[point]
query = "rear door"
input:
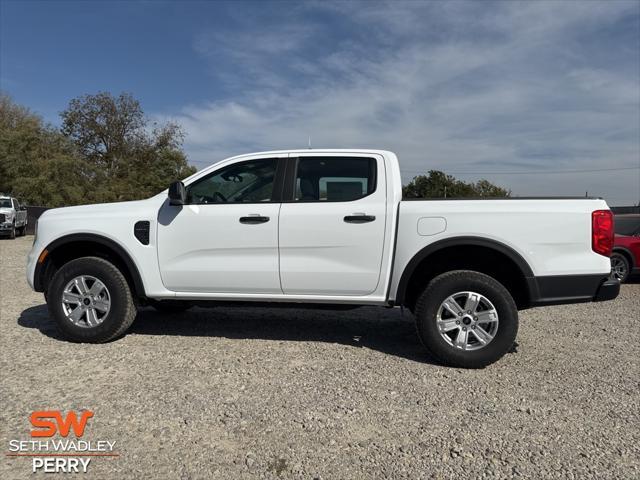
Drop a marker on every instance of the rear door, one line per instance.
(332, 227)
(20, 214)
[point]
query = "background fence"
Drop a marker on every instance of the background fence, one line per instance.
(33, 213)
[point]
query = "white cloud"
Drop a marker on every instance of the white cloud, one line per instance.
(458, 87)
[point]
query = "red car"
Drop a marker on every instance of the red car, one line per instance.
(625, 258)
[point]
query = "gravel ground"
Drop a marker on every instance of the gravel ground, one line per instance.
(274, 393)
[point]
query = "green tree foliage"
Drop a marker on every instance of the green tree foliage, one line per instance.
(105, 151)
(437, 184)
(37, 163)
(132, 159)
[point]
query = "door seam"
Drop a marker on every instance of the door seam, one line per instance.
(278, 239)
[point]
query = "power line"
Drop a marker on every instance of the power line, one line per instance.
(530, 173)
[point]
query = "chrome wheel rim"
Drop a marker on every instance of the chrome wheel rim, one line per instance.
(618, 267)
(467, 321)
(86, 301)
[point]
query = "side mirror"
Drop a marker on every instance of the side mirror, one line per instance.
(177, 194)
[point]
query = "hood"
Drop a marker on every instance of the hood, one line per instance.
(116, 209)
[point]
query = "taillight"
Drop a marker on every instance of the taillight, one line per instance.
(602, 232)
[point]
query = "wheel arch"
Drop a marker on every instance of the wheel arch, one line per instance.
(628, 254)
(456, 253)
(70, 247)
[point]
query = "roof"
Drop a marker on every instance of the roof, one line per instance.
(313, 150)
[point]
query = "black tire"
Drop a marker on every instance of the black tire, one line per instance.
(12, 232)
(170, 306)
(449, 284)
(122, 310)
(619, 267)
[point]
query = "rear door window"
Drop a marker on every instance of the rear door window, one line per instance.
(334, 179)
(627, 225)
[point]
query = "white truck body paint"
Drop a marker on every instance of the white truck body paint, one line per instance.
(428, 226)
(315, 243)
(306, 253)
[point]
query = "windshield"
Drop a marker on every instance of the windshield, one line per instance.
(5, 203)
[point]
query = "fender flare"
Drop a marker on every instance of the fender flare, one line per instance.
(432, 248)
(91, 237)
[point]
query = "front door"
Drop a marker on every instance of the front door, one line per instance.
(225, 238)
(332, 232)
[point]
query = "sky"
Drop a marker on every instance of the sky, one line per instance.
(541, 97)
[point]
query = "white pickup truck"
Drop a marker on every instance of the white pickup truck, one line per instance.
(13, 217)
(324, 228)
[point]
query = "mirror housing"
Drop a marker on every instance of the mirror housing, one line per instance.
(177, 194)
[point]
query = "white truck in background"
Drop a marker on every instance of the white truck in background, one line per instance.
(324, 227)
(13, 217)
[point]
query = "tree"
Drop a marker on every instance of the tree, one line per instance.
(131, 160)
(104, 152)
(437, 184)
(37, 163)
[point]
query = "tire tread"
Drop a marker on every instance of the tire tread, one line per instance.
(130, 310)
(424, 302)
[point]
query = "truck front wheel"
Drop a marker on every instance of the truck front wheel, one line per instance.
(90, 300)
(466, 319)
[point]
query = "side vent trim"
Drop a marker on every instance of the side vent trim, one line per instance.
(141, 231)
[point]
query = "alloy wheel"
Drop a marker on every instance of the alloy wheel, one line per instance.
(467, 320)
(618, 267)
(86, 301)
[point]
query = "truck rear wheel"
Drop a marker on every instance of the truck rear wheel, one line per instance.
(619, 266)
(90, 301)
(466, 319)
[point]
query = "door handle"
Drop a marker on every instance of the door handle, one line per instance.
(359, 218)
(253, 219)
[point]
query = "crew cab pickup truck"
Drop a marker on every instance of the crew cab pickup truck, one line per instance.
(13, 217)
(324, 228)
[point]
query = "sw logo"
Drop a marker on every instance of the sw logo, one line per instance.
(50, 449)
(48, 428)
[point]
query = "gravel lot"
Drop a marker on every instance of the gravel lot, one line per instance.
(273, 393)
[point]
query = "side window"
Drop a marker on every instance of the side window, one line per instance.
(627, 225)
(246, 182)
(334, 179)
(15, 204)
